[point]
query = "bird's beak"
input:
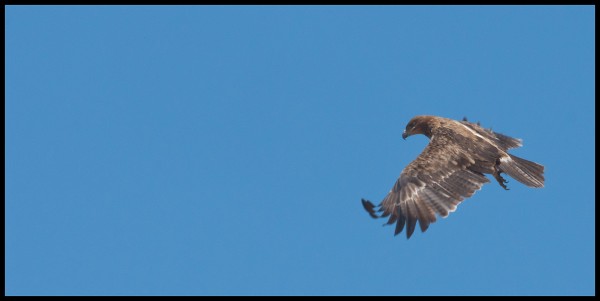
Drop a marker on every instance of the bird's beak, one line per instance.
(404, 135)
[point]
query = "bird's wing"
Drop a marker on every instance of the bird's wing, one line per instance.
(503, 141)
(435, 183)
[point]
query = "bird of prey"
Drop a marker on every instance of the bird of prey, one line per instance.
(450, 169)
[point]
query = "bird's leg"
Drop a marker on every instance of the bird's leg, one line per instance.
(499, 178)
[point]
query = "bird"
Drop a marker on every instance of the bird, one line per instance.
(451, 168)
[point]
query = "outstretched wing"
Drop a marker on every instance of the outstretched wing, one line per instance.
(437, 181)
(501, 140)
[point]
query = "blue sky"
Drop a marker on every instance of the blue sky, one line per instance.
(208, 150)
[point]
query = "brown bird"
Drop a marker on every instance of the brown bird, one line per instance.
(450, 169)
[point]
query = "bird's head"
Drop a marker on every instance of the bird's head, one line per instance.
(418, 125)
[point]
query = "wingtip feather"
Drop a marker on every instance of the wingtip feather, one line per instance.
(369, 207)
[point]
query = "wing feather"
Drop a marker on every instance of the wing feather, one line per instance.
(430, 185)
(411, 216)
(504, 141)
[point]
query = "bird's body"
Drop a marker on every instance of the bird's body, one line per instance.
(450, 169)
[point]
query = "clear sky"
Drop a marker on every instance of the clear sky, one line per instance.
(208, 150)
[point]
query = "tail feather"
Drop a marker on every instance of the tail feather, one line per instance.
(524, 171)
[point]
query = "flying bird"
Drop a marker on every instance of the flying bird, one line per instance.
(450, 169)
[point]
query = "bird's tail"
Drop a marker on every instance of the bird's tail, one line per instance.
(524, 171)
